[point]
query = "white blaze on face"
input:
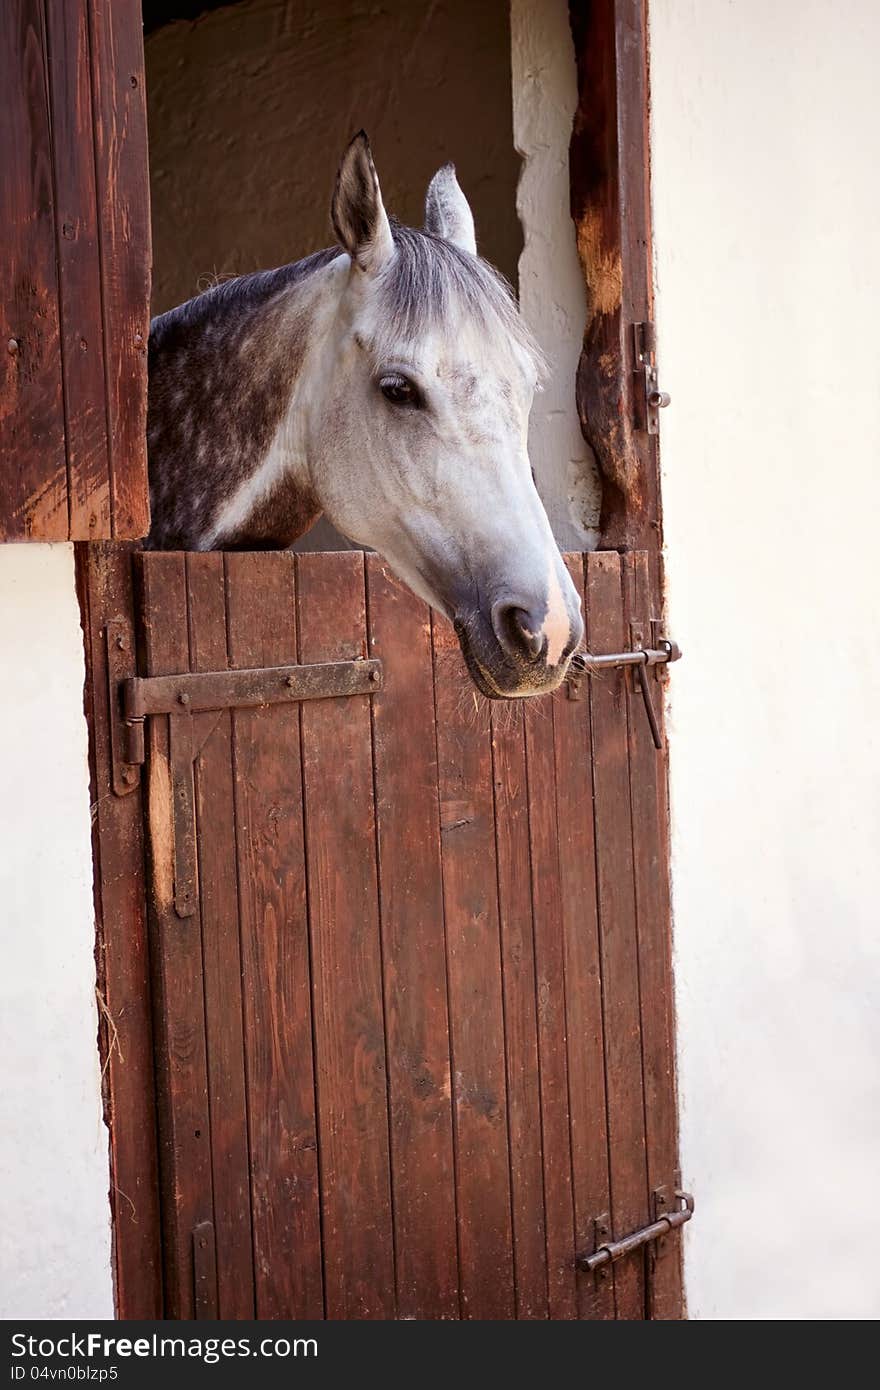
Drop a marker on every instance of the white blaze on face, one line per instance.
(556, 628)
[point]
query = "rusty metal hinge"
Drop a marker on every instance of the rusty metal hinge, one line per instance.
(664, 1222)
(650, 400)
(192, 702)
(640, 658)
(124, 760)
(197, 691)
(133, 697)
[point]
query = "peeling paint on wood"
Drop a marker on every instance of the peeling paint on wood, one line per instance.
(161, 816)
(609, 203)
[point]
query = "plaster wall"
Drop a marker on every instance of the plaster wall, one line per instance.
(54, 1173)
(764, 122)
(551, 284)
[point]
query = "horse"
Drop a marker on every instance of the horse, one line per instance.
(386, 382)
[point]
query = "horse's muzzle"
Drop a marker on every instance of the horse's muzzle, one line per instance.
(511, 665)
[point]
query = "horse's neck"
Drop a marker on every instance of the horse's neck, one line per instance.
(228, 462)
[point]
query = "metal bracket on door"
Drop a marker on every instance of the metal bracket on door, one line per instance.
(640, 658)
(192, 701)
(614, 1250)
(119, 646)
(651, 400)
(132, 697)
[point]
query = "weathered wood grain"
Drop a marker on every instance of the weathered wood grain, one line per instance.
(576, 849)
(33, 477)
(476, 1009)
(414, 960)
(261, 600)
(221, 953)
(104, 582)
(611, 209)
(178, 970)
(120, 152)
(520, 1010)
(617, 928)
(551, 991)
(79, 268)
(350, 1049)
(650, 831)
(74, 277)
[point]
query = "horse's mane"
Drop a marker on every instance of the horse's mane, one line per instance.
(236, 297)
(427, 281)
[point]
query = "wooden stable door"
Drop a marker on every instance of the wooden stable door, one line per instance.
(401, 956)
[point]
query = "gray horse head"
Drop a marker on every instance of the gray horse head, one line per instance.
(406, 422)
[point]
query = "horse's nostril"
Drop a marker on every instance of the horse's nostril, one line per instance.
(518, 631)
(532, 641)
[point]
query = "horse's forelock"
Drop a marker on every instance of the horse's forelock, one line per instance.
(430, 280)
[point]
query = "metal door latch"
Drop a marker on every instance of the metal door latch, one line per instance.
(615, 1249)
(651, 400)
(586, 664)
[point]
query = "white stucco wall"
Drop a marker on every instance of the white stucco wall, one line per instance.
(55, 1230)
(551, 284)
(765, 137)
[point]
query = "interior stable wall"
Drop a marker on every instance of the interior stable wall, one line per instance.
(551, 283)
(55, 1232)
(764, 122)
(251, 106)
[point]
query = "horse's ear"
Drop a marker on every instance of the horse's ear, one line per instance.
(448, 212)
(359, 217)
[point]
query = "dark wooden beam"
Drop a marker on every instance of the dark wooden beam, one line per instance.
(122, 951)
(610, 199)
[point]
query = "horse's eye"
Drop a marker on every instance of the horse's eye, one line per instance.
(398, 390)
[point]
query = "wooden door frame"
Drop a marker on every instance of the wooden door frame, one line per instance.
(611, 208)
(105, 584)
(609, 161)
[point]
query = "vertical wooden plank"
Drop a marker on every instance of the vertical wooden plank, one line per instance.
(411, 898)
(617, 928)
(33, 479)
(79, 270)
(282, 1126)
(551, 984)
(221, 955)
(120, 122)
(176, 954)
(205, 1272)
(105, 586)
(346, 951)
(583, 993)
(648, 793)
(520, 1009)
(475, 991)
